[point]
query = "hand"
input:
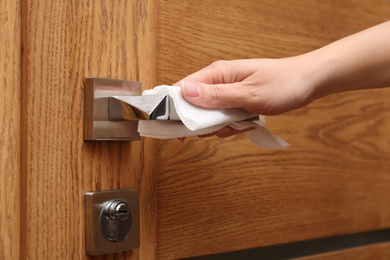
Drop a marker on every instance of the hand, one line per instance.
(261, 86)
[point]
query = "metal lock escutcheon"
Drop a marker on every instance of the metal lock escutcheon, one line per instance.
(112, 221)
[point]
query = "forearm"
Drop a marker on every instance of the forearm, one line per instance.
(360, 61)
(275, 86)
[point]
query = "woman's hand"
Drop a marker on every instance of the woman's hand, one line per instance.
(261, 86)
(275, 86)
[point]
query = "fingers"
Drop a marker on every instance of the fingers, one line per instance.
(222, 84)
(224, 132)
(227, 131)
(216, 95)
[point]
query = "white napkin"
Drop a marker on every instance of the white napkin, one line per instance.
(199, 121)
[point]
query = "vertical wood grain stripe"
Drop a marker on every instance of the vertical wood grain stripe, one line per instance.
(10, 82)
(66, 41)
(46, 163)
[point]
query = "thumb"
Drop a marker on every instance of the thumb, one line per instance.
(213, 95)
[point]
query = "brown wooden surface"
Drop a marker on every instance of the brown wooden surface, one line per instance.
(217, 195)
(65, 41)
(377, 252)
(10, 57)
(213, 195)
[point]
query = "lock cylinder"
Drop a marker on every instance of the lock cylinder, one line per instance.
(116, 220)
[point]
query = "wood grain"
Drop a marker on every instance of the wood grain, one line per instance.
(377, 252)
(66, 41)
(213, 195)
(217, 195)
(10, 85)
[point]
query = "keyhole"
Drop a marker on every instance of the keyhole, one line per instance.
(116, 220)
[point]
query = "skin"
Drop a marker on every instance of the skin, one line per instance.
(276, 86)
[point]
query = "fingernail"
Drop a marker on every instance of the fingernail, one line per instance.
(191, 89)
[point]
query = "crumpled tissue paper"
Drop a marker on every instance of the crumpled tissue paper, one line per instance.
(199, 121)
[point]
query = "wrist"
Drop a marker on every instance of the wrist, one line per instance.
(315, 73)
(326, 73)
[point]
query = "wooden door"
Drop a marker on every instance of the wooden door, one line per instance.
(205, 196)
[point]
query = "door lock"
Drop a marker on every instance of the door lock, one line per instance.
(111, 221)
(116, 220)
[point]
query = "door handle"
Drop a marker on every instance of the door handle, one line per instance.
(113, 107)
(97, 123)
(142, 108)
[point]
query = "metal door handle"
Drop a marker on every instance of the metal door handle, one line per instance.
(113, 108)
(97, 123)
(142, 108)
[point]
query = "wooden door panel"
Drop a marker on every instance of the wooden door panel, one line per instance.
(64, 42)
(217, 195)
(10, 84)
